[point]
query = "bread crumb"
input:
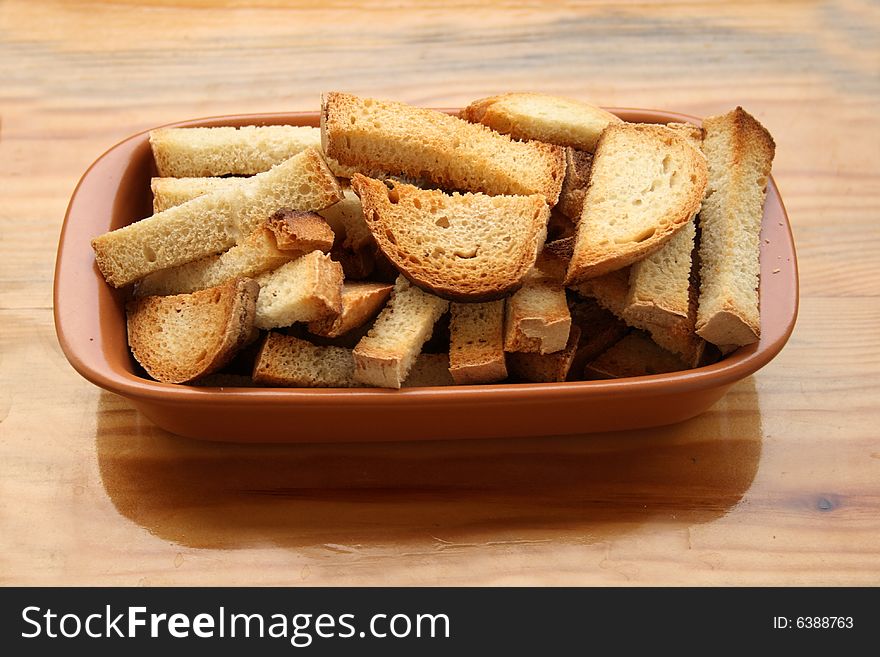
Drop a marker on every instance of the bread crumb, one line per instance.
(776, 271)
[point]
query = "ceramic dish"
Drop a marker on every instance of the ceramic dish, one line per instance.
(90, 322)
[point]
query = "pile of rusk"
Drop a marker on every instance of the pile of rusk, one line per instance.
(529, 239)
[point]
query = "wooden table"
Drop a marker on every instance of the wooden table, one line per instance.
(778, 484)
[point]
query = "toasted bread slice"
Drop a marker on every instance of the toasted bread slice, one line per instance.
(537, 318)
(445, 150)
(180, 338)
(300, 232)
(476, 344)
(550, 119)
(659, 284)
(186, 152)
(214, 222)
(574, 186)
(740, 153)
(386, 354)
(646, 183)
(545, 368)
(463, 247)
(345, 218)
(288, 361)
(635, 355)
(171, 192)
(303, 290)
(429, 370)
(611, 291)
(360, 303)
(257, 254)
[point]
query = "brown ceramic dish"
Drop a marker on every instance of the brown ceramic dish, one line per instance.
(90, 321)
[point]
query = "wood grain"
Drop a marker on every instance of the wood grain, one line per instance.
(779, 483)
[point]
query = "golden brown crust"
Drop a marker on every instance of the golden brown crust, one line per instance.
(223, 150)
(227, 309)
(476, 344)
(386, 354)
(542, 117)
(300, 231)
(537, 319)
(358, 133)
(212, 223)
(360, 303)
(592, 259)
(302, 290)
(434, 265)
(285, 360)
(324, 178)
(740, 152)
(250, 258)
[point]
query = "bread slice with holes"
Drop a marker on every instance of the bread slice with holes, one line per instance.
(634, 355)
(445, 150)
(304, 290)
(546, 118)
(257, 254)
(659, 285)
(462, 247)
(180, 338)
(646, 182)
(194, 152)
(361, 301)
(476, 342)
(288, 361)
(384, 357)
(214, 222)
(740, 153)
